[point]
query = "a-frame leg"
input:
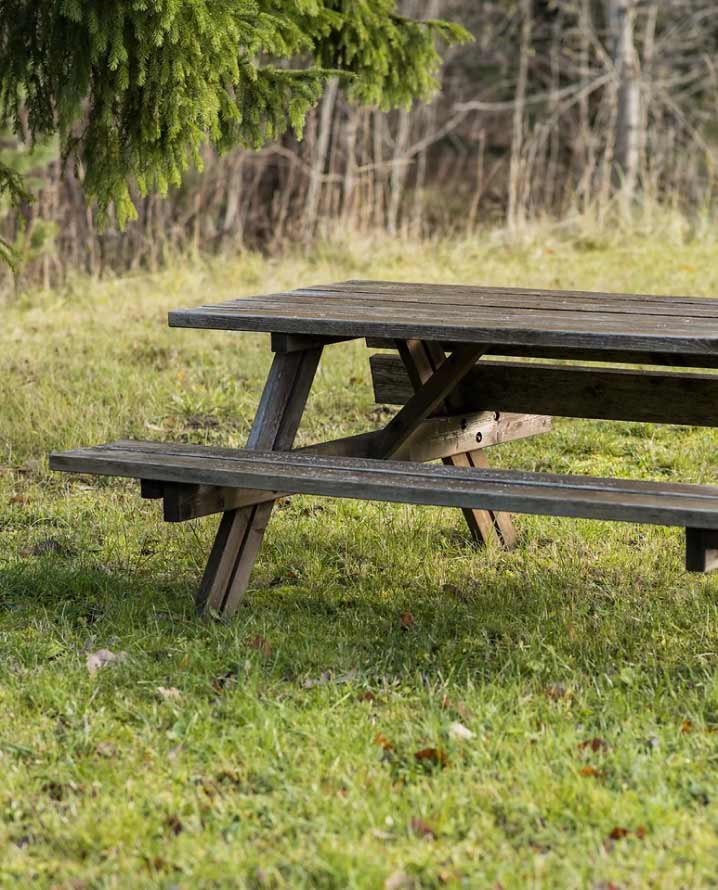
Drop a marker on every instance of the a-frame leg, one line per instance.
(421, 359)
(241, 531)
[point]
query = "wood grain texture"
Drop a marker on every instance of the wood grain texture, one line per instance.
(434, 439)
(662, 503)
(568, 391)
(680, 326)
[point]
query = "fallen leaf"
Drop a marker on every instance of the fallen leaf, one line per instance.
(169, 693)
(422, 829)
(105, 749)
(174, 825)
(687, 726)
(349, 677)
(590, 772)
(641, 832)
(431, 757)
(367, 696)
(406, 621)
(459, 731)
(19, 499)
(261, 645)
(383, 742)
(103, 658)
(618, 833)
(399, 880)
(321, 680)
(594, 745)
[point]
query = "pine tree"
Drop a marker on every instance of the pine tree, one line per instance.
(134, 87)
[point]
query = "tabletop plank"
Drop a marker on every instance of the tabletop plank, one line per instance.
(464, 314)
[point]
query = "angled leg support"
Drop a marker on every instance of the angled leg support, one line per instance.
(241, 531)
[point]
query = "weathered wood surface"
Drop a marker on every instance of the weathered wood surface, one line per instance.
(608, 356)
(568, 391)
(701, 549)
(690, 506)
(497, 316)
(436, 438)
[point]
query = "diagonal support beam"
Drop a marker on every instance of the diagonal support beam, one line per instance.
(424, 360)
(429, 396)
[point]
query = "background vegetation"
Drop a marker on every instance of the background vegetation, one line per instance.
(557, 109)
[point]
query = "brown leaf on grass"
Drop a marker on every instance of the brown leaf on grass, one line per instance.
(594, 745)
(102, 658)
(422, 829)
(590, 772)
(431, 757)
(105, 749)
(261, 645)
(618, 833)
(406, 621)
(174, 825)
(687, 726)
(383, 742)
(367, 696)
(169, 693)
(19, 499)
(556, 691)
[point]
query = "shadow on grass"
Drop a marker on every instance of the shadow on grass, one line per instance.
(512, 626)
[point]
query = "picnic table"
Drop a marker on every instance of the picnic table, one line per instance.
(469, 368)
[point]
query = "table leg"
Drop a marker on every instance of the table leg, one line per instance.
(421, 359)
(241, 531)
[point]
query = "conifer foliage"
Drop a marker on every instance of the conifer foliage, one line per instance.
(133, 87)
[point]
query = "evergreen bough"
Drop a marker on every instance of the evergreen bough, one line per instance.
(134, 87)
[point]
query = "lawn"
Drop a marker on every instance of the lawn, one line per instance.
(279, 749)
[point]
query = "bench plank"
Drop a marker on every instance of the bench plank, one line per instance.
(692, 506)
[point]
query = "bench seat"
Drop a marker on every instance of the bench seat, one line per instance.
(661, 503)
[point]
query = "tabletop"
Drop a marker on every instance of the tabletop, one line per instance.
(467, 314)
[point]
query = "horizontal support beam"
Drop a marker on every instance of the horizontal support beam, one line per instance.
(610, 356)
(300, 342)
(442, 437)
(568, 391)
(436, 438)
(701, 549)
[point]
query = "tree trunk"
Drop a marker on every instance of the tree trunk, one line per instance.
(627, 151)
(515, 211)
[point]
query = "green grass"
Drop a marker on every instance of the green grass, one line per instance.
(253, 778)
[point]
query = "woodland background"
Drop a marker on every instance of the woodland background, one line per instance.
(557, 109)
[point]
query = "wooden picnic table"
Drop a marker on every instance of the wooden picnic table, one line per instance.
(454, 403)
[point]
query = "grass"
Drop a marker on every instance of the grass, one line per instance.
(584, 663)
